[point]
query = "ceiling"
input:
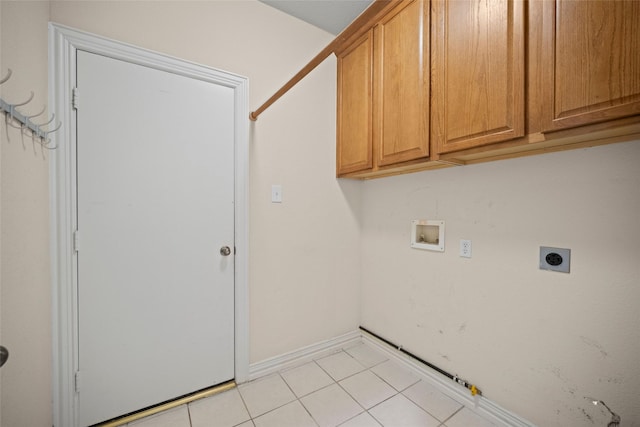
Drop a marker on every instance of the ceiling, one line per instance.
(330, 15)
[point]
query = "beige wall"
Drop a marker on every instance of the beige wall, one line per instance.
(303, 252)
(536, 342)
(24, 281)
(304, 263)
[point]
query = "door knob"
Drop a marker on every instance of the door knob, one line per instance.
(4, 355)
(225, 251)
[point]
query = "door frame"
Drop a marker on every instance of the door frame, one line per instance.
(64, 42)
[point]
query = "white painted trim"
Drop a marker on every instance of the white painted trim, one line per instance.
(63, 44)
(303, 355)
(481, 405)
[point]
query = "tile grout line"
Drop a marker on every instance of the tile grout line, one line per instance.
(436, 418)
(189, 415)
(298, 398)
(333, 381)
(389, 384)
(396, 392)
(338, 384)
(452, 415)
(246, 408)
(355, 400)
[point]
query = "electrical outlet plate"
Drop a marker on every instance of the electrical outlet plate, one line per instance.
(555, 259)
(465, 248)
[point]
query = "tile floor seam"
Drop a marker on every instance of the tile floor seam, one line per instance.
(324, 370)
(309, 413)
(341, 379)
(375, 419)
(452, 415)
(323, 387)
(356, 359)
(246, 408)
(271, 410)
(356, 416)
(353, 397)
(370, 393)
(334, 383)
(388, 383)
(298, 397)
(396, 392)
(462, 406)
(418, 406)
(287, 384)
(189, 414)
(280, 407)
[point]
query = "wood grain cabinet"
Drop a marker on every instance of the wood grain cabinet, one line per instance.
(436, 83)
(591, 62)
(383, 92)
(478, 50)
(355, 106)
(401, 84)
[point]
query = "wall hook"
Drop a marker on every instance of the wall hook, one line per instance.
(7, 77)
(25, 102)
(12, 116)
(53, 116)
(44, 108)
(54, 130)
(12, 107)
(47, 132)
(24, 125)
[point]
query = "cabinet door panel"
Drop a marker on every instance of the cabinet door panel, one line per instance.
(354, 136)
(401, 82)
(478, 73)
(592, 61)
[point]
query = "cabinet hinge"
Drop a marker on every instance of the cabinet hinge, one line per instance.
(75, 98)
(76, 381)
(76, 241)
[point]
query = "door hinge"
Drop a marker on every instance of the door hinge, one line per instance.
(76, 241)
(76, 382)
(75, 98)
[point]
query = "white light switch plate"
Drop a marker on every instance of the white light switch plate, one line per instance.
(276, 194)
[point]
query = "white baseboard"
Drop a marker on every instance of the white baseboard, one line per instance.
(303, 355)
(482, 406)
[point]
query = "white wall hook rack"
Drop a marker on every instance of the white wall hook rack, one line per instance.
(13, 116)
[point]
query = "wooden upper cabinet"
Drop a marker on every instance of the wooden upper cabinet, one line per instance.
(478, 73)
(355, 109)
(435, 83)
(591, 55)
(401, 84)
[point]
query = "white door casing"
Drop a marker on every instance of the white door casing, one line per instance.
(64, 46)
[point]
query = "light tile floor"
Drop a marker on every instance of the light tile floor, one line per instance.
(355, 387)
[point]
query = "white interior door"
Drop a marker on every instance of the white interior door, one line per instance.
(155, 204)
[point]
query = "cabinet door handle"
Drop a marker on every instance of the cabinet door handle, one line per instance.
(225, 251)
